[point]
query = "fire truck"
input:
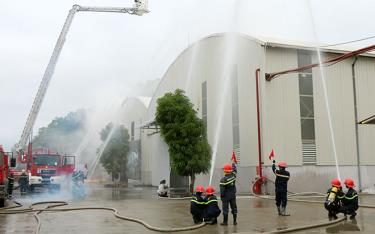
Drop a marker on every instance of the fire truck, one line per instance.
(47, 168)
(5, 187)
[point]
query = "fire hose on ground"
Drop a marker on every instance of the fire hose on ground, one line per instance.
(51, 208)
(291, 194)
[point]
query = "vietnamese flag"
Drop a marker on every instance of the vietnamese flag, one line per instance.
(234, 158)
(272, 154)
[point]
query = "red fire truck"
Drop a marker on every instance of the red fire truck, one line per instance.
(46, 168)
(4, 175)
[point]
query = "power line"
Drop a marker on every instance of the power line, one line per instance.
(348, 42)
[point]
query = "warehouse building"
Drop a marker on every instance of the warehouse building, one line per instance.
(220, 73)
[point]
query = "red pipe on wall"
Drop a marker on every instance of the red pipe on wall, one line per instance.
(257, 73)
(271, 76)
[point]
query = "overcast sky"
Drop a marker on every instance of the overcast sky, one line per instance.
(105, 55)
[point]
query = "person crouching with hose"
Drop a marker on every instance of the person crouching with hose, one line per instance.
(281, 187)
(197, 205)
(332, 203)
(212, 210)
(350, 200)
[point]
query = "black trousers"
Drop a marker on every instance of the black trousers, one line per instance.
(347, 209)
(232, 203)
(281, 198)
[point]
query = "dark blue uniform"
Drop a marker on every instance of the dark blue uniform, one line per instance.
(197, 207)
(281, 188)
(228, 195)
(212, 210)
(349, 203)
(332, 203)
(23, 182)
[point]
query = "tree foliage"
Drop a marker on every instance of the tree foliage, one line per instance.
(184, 133)
(63, 134)
(114, 157)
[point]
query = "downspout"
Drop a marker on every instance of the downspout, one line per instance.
(257, 72)
(356, 124)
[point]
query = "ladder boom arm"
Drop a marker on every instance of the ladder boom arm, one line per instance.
(139, 8)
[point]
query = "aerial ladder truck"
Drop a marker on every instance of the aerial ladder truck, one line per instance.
(44, 166)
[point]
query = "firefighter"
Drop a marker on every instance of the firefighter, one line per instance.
(228, 193)
(349, 200)
(23, 181)
(197, 205)
(163, 189)
(332, 203)
(10, 184)
(212, 210)
(281, 187)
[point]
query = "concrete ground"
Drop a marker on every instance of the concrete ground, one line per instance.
(255, 215)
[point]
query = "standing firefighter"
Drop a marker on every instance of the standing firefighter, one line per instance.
(349, 200)
(197, 205)
(212, 210)
(281, 187)
(332, 203)
(23, 182)
(228, 193)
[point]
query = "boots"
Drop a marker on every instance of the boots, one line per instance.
(283, 211)
(279, 210)
(234, 219)
(225, 222)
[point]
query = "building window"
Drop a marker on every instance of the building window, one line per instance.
(306, 101)
(204, 103)
(132, 131)
(235, 114)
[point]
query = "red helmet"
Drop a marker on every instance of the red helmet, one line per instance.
(282, 164)
(349, 183)
(210, 190)
(199, 189)
(227, 168)
(336, 182)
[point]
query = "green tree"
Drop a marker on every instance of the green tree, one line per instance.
(63, 134)
(184, 133)
(114, 157)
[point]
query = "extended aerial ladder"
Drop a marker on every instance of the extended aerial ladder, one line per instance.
(140, 7)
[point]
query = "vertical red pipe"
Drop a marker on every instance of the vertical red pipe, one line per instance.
(257, 72)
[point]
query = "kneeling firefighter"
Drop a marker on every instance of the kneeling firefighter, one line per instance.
(212, 210)
(350, 200)
(332, 203)
(197, 205)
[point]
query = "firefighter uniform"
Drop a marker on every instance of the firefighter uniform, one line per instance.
(332, 203)
(197, 207)
(349, 200)
(212, 210)
(281, 187)
(228, 193)
(23, 182)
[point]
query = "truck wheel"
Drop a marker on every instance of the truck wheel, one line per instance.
(2, 202)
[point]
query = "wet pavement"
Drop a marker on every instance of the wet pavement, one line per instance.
(255, 215)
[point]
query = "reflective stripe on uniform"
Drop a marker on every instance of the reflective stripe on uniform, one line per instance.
(228, 182)
(195, 201)
(214, 200)
(351, 198)
(285, 176)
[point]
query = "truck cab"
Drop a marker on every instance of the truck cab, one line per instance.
(48, 169)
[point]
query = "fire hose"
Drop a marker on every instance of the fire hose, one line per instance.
(291, 194)
(51, 208)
